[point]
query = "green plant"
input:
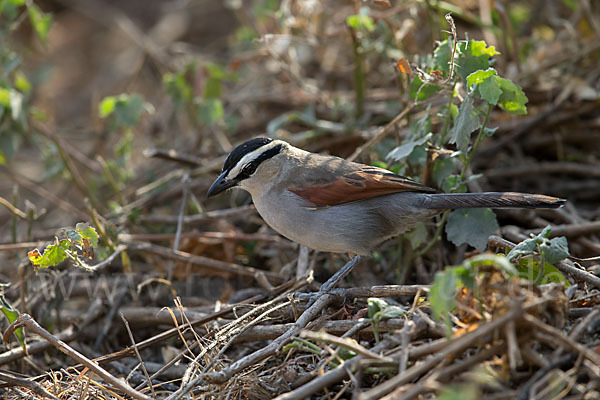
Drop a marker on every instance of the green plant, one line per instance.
(539, 251)
(15, 88)
(205, 108)
(464, 71)
(537, 255)
(77, 244)
(447, 283)
(123, 113)
(379, 310)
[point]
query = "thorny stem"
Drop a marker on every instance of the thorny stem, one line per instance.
(448, 118)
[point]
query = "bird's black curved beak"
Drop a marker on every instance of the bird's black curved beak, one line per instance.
(220, 184)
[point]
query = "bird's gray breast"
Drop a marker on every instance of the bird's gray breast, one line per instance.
(354, 227)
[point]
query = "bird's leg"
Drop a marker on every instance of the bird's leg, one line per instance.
(335, 279)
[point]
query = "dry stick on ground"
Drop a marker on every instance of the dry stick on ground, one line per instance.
(207, 236)
(333, 376)
(174, 331)
(346, 342)
(563, 266)
(139, 357)
(444, 374)
(382, 291)
(22, 245)
(36, 188)
(200, 218)
(34, 386)
(562, 339)
(337, 374)
(73, 151)
(221, 376)
(70, 333)
(456, 346)
(117, 301)
(25, 320)
(572, 230)
(235, 329)
(200, 260)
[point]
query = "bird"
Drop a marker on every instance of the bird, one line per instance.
(333, 205)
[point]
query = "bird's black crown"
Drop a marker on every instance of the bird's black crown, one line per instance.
(243, 149)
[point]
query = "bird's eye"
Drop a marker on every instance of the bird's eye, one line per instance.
(249, 169)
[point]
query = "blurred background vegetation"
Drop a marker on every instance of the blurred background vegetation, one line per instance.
(94, 94)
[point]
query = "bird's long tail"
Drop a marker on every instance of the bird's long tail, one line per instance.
(441, 201)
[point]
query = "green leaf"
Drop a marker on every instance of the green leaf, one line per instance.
(107, 106)
(512, 99)
(87, 232)
(21, 82)
(40, 21)
(454, 183)
(524, 248)
(4, 97)
(496, 260)
(375, 306)
(11, 315)
(10, 8)
(210, 111)
(529, 268)
(2, 158)
(53, 255)
(471, 226)
(361, 20)
(73, 236)
(473, 56)
(405, 149)
(479, 48)
(555, 250)
(128, 109)
(125, 108)
(420, 90)
(442, 56)
(178, 86)
(490, 90)
(466, 122)
(486, 85)
(480, 76)
(442, 295)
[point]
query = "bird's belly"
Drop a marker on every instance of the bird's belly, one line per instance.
(355, 227)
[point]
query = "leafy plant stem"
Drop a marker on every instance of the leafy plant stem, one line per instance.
(110, 178)
(436, 236)
(541, 271)
(477, 141)
(359, 75)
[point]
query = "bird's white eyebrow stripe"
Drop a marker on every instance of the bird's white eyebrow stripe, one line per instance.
(253, 155)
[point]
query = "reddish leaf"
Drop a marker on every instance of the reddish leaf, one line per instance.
(404, 67)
